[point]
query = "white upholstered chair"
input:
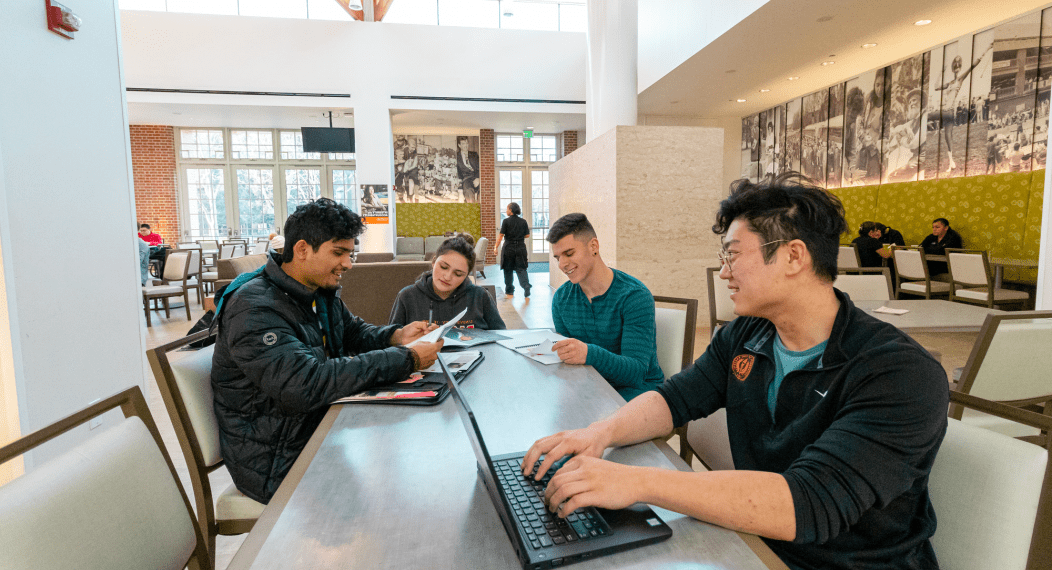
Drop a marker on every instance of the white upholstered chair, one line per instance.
(991, 494)
(972, 281)
(114, 501)
(848, 258)
(260, 246)
(866, 284)
(186, 388)
(174, 283)
(481, 249)
(911, 274)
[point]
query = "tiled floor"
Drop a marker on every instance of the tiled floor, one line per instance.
(517, 312)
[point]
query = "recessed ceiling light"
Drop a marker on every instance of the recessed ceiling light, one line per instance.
(825, 63)
(731, 71)
(794, 78)
(764, 90)
(921, 22)
(741, 100)
(673, 102)
(867, 46)
(824, 19)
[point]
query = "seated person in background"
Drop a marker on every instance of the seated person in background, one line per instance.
(439, 294)
(144, 261)
(608, 314)
(889, 235)
(277, 242)
(832, 464)
(288, 346)
(870, 250)
(942, 236)
(147, 235)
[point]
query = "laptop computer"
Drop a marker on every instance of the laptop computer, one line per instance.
(541, 539)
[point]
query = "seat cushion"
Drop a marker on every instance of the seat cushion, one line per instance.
(160, 290)
(936, 286)
(210, 276)
(980, 294)
(234, 505)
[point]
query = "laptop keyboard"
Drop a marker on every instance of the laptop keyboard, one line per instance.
(527, 502)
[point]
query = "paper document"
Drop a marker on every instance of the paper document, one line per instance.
(455, 361)
(890, 311)
(536, 345)
(438, 333)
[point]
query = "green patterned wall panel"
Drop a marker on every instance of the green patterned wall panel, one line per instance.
(422, 220)
(1032, 234)
(860, 203)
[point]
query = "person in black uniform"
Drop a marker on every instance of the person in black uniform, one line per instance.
(468, 170)
(942, 236)
(890, 235)
(870, 250)
(515, 258)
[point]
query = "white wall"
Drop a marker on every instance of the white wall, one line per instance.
(671, 31)
(732, 139)
(70, 260)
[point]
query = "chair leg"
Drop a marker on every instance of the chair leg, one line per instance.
(167, 309)
(186, 302)
(146, 309)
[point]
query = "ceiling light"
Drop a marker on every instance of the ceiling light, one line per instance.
(731, 71)
(921, 22)
(506, 8)
(825, 63)
(794, 78)
(867, 46)
(673, 102)
(741, 100)
(354, 4)
(764, 90)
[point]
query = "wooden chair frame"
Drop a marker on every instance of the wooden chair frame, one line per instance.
(924, 266)
(712, 275)
(147, 296)
(990, 289)
(689, 332)
(131, 403)
(191, 446)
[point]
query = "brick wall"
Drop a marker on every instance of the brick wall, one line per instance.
(488, 199)
(569, 142)
(153, 174)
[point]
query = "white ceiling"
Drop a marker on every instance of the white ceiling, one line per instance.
(785, 38)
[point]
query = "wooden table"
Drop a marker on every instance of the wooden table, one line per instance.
(397, 486)
(931, 315)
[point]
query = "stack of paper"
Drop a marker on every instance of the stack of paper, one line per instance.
(536, 345)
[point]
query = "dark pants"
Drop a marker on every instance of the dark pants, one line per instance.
(524, 281)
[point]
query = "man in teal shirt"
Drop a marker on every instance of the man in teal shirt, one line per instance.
(608, 314)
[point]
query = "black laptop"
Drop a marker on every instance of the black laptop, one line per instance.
(541, 539)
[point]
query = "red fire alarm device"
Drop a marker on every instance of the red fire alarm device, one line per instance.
(61, 20)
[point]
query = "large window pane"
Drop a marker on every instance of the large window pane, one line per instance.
(255, 201)
(326, 10)
(201, 143)
(292, 147)
(207, 203)
(251, 144)
(510, 190)
(274, 8)
(539, 207)
(341, 156)
(529, 16)
(469, 13)
(573, 18)
(509, 148)
(203, 6)
(413, 12)
(343, 189)
(542, 149)
(301, 186)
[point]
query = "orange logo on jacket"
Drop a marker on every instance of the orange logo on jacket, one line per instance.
(741, 366)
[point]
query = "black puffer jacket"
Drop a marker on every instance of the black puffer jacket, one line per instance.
(273, 378)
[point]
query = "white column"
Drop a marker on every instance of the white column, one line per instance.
(374, 157)
(612, 84)
(1043, 302)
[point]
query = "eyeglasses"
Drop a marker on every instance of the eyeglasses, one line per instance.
(727, 257)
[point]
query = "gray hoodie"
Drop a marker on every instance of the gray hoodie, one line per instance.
(418, 302)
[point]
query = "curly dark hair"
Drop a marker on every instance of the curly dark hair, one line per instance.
(319, 221)
(788, 207)
(463, 244)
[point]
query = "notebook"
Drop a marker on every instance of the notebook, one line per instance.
(542, 540)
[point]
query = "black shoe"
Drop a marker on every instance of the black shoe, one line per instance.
(526, 292)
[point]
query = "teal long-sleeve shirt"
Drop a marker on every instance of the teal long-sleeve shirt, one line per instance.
(618, 327)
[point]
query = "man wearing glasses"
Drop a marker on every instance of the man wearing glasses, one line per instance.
(834, 418)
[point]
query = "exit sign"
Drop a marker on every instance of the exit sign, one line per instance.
(527, 134)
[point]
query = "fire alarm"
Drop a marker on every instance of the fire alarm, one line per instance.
(61, 20)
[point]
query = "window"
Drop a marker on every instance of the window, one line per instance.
(529, 16)
(302, 185)
(510, 190)
(509, 148)
(251, 144)
(344, 189)
(542, 149)
(255, 201)
(207, 202)
(469, 13)
(292, 147)
(201, 143)
(539, 208)
(341, 156)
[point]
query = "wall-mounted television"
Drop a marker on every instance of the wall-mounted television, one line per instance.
(327, 139)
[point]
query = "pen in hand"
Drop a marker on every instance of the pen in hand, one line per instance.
(429, 314)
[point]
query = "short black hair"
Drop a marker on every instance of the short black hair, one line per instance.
(319, 221)
(880, 227)
(515, 209)
(943, 221)
(463, 244)
(866, 227)
(461, 138)
(141, 226)
(788, 207)
(576, 224)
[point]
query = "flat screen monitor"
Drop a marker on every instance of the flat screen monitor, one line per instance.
(327, 139)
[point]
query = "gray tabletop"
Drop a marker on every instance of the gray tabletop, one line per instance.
(397, 487)
(931, 315)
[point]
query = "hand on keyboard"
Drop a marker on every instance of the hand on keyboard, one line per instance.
(590, 482)
(589, 441)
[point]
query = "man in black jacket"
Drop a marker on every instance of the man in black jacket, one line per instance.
(834, 418)
(288, 347)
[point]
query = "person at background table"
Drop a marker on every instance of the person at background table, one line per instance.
(870, 251)
(608, 314)
(515, 258)
(277, 242)
(147, 235)
(942, 236)
(445, 290)
(288, 347)
(889, 235)
(834, 418)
